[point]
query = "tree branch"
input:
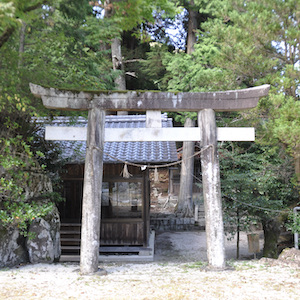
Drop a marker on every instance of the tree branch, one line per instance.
(35, 6)
(6, 35)
(11, 29)
(132, 60)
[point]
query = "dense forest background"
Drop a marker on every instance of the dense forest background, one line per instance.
(196, 45)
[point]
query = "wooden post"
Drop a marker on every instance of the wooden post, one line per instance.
(212, 190)
(92, 189)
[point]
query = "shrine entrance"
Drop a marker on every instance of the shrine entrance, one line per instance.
(125, 212)
(125, 201)
(97, 103)
(125, 219)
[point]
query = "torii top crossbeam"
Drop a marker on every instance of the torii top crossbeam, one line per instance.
(145, 100)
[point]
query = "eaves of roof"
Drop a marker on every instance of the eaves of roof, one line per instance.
(115, 152)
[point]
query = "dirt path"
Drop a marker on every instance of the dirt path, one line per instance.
(178, 272)
(191, 246)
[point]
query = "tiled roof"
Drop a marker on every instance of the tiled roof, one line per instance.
(136, 152)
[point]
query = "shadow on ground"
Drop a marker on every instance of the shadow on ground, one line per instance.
(189, 246)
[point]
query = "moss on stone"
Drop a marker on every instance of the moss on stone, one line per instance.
(101, 92)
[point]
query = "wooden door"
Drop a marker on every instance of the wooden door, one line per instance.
(123, 212)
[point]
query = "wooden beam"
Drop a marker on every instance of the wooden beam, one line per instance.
(144, 100)
(64, 100)
(149, 134)
(210, 169)
(65, 133)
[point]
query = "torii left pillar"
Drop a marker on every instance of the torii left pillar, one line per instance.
(92, 189)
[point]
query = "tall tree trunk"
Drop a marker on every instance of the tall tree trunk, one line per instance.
(117, 61)
(185, 198)
(22, 43)
(116, 55)
(271, 229)
(192, 27)
(238, 234)
(297, 168)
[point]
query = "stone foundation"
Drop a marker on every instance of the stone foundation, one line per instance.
(43, 247)
(171, 222)
(12, 248)
(44, 242)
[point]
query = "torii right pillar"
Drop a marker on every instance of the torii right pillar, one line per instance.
(210, 168)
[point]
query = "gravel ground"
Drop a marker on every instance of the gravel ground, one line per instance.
(178, 272)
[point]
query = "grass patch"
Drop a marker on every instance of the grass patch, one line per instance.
(196, 265)
(245, 265)
(4, 269)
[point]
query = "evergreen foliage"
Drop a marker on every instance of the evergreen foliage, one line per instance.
(239, 44)
(243, 44)
(255, 183)
(52, 50)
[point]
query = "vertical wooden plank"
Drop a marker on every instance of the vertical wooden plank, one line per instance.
(146, 208)
(91, 206)
(212, 190)
(153, 119)
(141, 239)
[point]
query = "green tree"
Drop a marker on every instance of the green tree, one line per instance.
(256, 188)
(13, 13)
(45, 50)
(244, 44)
(259, 43)
(57, 44)
(20, 164)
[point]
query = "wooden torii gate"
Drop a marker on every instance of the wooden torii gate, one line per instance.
(97, 103)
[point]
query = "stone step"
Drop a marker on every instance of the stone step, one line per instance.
(70, 247)
(125, 249)
(69, 232)
(70, 224)
(70, 240)
(70, 237)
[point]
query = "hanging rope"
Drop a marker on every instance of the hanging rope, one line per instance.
(142, 166)
(156, 179)
(125, 173)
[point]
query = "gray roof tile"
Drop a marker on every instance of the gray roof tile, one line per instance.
(135, 152)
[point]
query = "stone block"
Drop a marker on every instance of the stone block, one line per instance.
(12, 249)
(44, 246)
(40, 247)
